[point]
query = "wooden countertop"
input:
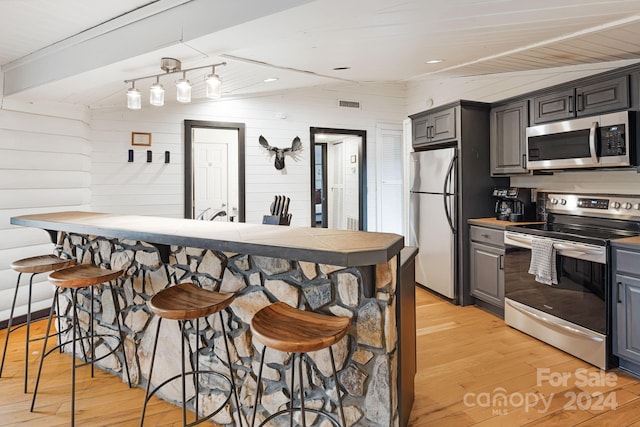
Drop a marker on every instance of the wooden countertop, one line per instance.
(319, 245)
(628, 242)
(498, 224)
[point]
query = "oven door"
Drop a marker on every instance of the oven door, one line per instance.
(581, 295)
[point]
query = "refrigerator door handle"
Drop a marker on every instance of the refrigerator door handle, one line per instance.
(446, 194)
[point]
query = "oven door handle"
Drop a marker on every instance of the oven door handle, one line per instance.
(567, 249)
(554, 324)
(577, 249)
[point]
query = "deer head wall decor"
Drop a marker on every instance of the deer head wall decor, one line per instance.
(280, 152)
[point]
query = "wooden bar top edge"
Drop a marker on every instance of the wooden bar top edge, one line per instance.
(320, 245)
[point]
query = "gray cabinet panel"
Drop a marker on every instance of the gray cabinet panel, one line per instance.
(487, 273)
(508, 138)
(627, 317)
(554, 106)
(420, 130)
(600, 97)
(487, 235)
(627, 262)
(435, 127)
(603, 96)
(443, 125)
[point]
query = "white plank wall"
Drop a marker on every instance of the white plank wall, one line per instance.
(157, 189)
(45, 162)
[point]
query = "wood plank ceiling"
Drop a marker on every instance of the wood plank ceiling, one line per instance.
(303, 43)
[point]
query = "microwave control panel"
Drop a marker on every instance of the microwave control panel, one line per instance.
(612, 141)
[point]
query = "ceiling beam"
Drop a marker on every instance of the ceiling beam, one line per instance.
(161, 24)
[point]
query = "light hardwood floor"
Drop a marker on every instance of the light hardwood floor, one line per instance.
(467, 358)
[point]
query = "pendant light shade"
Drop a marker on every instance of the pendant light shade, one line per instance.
(214, 86)
(134, 98)
(156, 94)
(183, 87)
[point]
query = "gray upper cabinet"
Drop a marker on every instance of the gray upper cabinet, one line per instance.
(584, 100)
(434, 127)
(508, 138)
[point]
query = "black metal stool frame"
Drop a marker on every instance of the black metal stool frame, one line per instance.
(195, 374)
(27, 324)
(292, 409)
(75, 331)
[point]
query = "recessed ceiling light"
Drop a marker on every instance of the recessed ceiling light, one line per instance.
(270, 79)
(434, 61)
(341, 68)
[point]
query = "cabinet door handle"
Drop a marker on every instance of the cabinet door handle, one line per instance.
(571, 103)
(501, 261)
(579, 101)
(429, 131)
(524, 161)
(619, 284)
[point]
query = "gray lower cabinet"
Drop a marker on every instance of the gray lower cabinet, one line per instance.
(508, 138)
(487, 265)
(626, 308)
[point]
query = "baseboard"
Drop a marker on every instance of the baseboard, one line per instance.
(36, 315)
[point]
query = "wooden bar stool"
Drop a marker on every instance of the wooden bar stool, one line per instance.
(282, 327)
(184, 302)
(33, 265)
(75, 278)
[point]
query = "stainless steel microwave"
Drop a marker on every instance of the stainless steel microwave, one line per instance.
(609, 140)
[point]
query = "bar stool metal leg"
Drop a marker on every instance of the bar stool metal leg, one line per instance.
(116, 305)
(233, 381)
(87, 353)
(153, 358)
(44, 347)
(258, 391)
(302, 409)
(10, 322)
(335, 380)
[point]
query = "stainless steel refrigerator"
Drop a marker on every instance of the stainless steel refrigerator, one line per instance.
(433, 218)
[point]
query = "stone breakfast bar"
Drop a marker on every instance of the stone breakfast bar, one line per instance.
(365, 276)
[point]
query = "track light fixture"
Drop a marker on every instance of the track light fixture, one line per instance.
(156, 93)
(134, 97)
(183, 86)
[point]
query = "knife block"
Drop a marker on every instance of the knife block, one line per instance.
(276, 220)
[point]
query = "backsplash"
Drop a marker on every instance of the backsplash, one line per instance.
(603, 182)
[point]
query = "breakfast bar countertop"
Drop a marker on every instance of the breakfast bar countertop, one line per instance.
(320, 245)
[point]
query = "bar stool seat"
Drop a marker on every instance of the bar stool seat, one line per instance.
(74, 278)
(188, 301)
(32, 265)
(282, 327)
(82, 276)
(41, 264)
(185, 302)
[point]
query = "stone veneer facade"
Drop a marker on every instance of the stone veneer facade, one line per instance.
(366, 358)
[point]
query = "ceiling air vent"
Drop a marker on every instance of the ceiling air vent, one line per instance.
(349, 104)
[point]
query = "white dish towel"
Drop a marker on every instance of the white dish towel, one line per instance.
(543, 261)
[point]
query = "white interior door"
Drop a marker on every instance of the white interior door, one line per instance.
(390, 181)
(210, 179)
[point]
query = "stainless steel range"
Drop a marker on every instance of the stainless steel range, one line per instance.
(573, 310)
